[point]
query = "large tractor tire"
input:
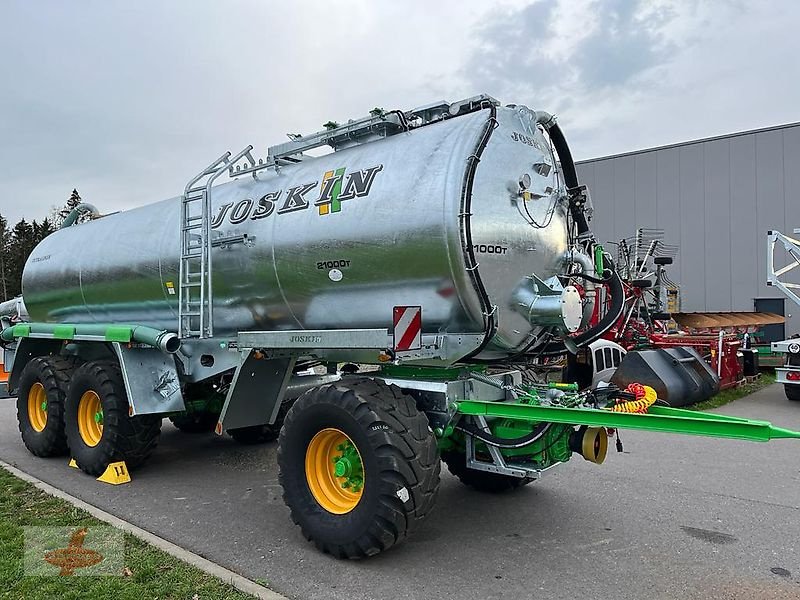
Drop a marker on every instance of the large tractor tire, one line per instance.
(97, 423)
(260, 434)
(792, 391)
(482, 481)
(40, 404)
(195, 422)
(358, 465)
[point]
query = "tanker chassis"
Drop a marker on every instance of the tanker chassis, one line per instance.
(376, 309)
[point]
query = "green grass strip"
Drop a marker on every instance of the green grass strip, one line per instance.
(726, 396)
(149, 572)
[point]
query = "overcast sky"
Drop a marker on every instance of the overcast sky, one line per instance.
(127, 101)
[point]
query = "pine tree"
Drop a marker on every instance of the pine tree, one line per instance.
(20, 246)
(16, 245)
(43, 229)
(74, 199)
(63, 213)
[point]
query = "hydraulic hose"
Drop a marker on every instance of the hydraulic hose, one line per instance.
(548, 121)
(590, 278)
(466, 233)
(570, 176)
(614, 312)
(498, 442)
(564, 155)
(606, 323)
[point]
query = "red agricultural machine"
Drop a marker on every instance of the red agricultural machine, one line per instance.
(652, 321)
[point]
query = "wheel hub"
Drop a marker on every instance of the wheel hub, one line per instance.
(334, 471)
(37, 407)
(90, 418)
(348, 467)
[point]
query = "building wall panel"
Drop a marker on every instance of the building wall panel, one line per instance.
(716, 199)
(693, 238)
(668, 210)
(745, 236)
(717, 235)
(625, 198)
(645, 176)
(791, 195)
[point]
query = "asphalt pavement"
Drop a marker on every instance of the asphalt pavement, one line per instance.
(671, 517)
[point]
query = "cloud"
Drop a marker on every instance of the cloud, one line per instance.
(619, 49)
(127, 102)
(609, 46)
(625, 74)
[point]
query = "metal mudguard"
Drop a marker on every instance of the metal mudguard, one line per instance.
(256, 392)
(151, 380)
(26, 349)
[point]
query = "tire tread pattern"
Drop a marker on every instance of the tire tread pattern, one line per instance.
(54, 373)
(407, 457)
(127, 438)
(792, 392)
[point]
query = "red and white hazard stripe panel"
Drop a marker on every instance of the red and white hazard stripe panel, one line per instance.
(407, 328)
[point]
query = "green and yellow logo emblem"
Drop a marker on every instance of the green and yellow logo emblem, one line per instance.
(331, 190)
(335, 187)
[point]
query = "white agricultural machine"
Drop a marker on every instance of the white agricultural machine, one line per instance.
(789, 373)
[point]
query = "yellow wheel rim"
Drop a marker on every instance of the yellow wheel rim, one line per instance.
(37, 407)
(90, 418)
(334, 471)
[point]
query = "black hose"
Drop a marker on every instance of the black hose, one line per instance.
(564, 154)
(611, 317)
(570, 176)
(466, 229)
(607, 322)
(498, 442)
(593, 279)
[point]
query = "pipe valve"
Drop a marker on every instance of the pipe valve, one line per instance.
(547, 303)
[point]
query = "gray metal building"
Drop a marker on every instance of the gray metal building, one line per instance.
(716, 198)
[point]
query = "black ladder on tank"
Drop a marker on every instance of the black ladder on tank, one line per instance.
(195, 290)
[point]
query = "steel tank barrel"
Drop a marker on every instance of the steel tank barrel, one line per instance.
(337, 241)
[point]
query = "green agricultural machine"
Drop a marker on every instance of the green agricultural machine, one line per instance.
(379, 309)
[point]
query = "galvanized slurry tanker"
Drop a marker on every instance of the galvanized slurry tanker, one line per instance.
(441, 245)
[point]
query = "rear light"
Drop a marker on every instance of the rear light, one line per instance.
(793, 376)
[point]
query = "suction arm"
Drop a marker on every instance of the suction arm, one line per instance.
(576, 197)
(83, 207)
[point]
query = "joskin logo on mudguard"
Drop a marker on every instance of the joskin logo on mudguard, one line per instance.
(334, 189)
